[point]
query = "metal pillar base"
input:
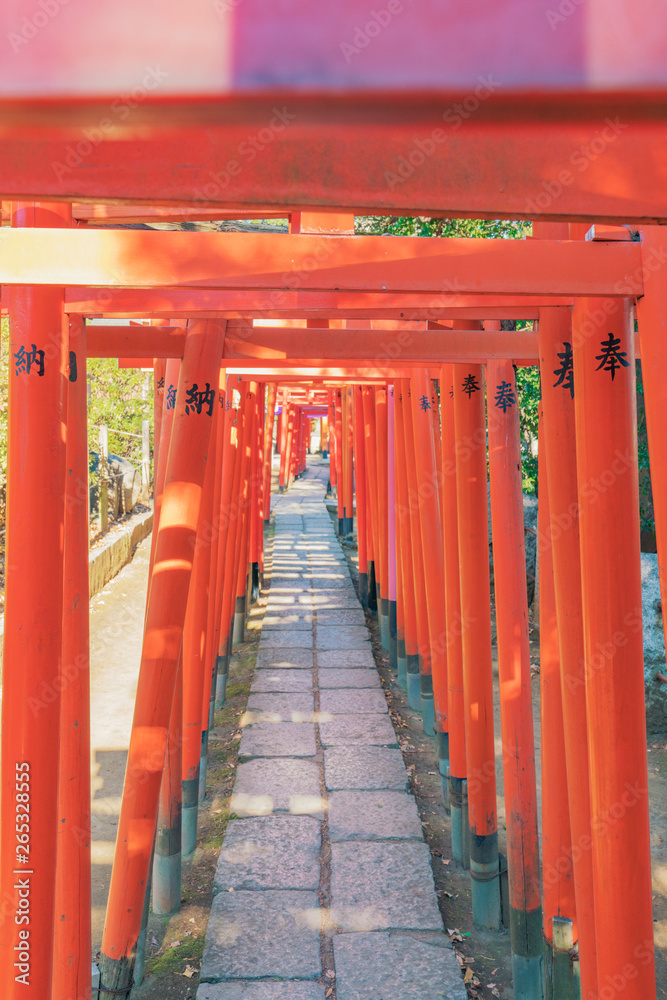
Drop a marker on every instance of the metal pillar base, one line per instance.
(141, 940)
(465, 826)
(239, 620)
(442, 750)
(414, 686)
(348, 528)
(189, 816)
(401, 665)
(203, 766)
(254, 582)
(341, 529)
(528, 977)
(221, 680)
(428, 705)
(393, 647)
(166, 884)
(383, 620)
(456, 814)
(363, 590)
(485, 880)
(372, 591)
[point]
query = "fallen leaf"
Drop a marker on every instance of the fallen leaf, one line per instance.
(174, 944)
(446, 861)
(493, 971)
(490, 986)
(189, 972)
(329, 992)
(231, 890)
(330, 974)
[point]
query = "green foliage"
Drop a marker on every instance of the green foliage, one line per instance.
(528, 379)
(528, 395)
(422, 226)
(121, 398)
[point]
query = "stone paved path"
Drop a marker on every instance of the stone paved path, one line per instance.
(324, 887)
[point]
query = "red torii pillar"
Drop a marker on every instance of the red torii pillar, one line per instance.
(455, 769)
(471, 479)
(516, 709)
(606, 431)
(560, 459)
(72, 935)
(559, 916)
(161, 649)
(33, 654)
(419, 683)
(360, 493)
(268, 446)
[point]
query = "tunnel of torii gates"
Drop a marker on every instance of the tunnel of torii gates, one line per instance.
(253, 110)
(359, 346)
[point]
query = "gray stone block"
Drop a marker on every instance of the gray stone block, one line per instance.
(377, 815)
(270, 852)
(274, 621)
(395, 966)
(286, 637)
(361, 677)
(279, 708)
(383, 887)
(351, 616)
(291, 990)
(358, 730)
(343, 659)
(278, 739)
(266, 785)
(342, 637)
(333, 599)
(352, 701)
(284, 681)
(331, 580)
(284, 657)
(255, 935)
(365, 768)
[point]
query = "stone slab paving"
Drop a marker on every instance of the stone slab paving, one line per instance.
(376, 815)
(278, 739)
(348, 658)
(346, 701)
(383, 886)
(285, 681)
(280, 784)
(364, 677)
(391, 965)
(257, 934)
(280, 708)
(360, 729)
(365, 768)
(285, 657)
(262, 991)
(270, 852)
(324, 879)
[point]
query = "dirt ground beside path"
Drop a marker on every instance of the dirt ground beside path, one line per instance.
(486, 954)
